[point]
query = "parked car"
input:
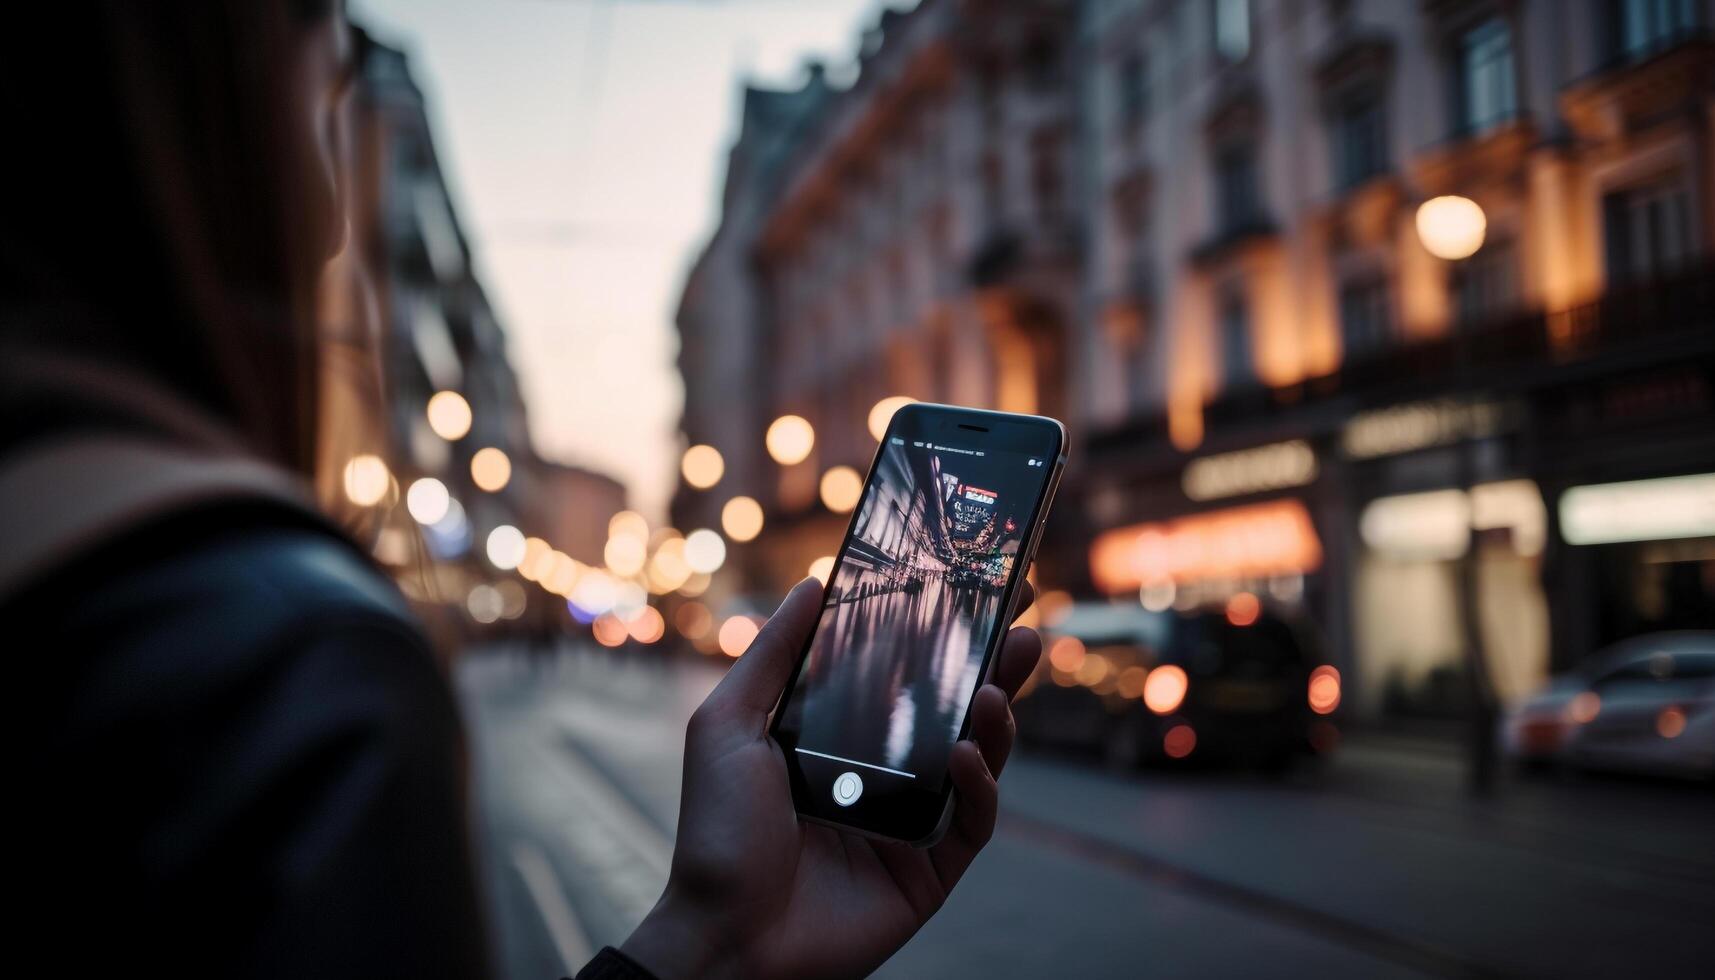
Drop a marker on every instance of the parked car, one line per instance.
(1210, 686)
(1644, 705)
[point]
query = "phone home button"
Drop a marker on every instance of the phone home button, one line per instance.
(847, 789)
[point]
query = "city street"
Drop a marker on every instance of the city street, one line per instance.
(1375, 865)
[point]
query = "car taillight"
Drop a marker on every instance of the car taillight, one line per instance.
(1323, 692)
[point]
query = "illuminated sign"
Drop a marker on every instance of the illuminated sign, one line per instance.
(1254, 541)
(1272, 467)
(1419, 425)
(979, 495)
(1437, 525)
(1640, 510)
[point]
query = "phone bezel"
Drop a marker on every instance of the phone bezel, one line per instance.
(921, 817)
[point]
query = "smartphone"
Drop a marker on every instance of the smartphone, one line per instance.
(921, 595)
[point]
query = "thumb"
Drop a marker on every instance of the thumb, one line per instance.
(755, 682)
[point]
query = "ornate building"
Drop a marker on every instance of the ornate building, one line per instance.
(1196, 231)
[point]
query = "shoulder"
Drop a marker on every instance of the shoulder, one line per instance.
(193, 614)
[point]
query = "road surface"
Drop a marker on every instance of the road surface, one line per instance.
(1374, 866)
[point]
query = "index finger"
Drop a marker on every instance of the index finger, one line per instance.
(754, 683)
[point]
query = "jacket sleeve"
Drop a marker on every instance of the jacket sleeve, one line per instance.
(359, 757)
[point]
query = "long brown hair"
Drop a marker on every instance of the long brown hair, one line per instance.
(159, 241)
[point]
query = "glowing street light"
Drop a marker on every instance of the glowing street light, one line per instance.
(366, 480)
(449, 415)
(490, 469)
(821, 568)
(704, 551)
(702, 466)
(506, 547)
(841, 488)
(882, 414)
(428, 500)
(790, 439)
(1451, 227)
(741, 519)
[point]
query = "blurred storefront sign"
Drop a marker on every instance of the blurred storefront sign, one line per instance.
(1665, 509)
(1277, 466)
(1436, 525)
(1256, 541)
(1420, 425)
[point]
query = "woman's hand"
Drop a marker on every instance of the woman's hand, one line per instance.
(753, 891)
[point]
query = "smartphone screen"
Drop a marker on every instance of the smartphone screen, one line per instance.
(914, 612)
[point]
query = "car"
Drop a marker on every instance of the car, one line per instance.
(1235, 685)
(1645, 705)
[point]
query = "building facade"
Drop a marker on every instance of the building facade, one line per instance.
(1207, 255)
(408, 321)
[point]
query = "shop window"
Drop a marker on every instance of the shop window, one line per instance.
(1232, 29)
(1131, 85)
(1486, 79)
(1647, 231)
(1366, 317)
(1236, 196)
(1486, 284)
(1235, 327)
(1636, 29)
(1360, 139)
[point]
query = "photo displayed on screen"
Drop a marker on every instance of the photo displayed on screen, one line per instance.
(910, 608)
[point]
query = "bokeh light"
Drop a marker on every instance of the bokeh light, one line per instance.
(484, 603)
(628, 523)
(490, 469)
(704, 551)
(538, 557)
(428, 500)
(1324, 690)
(841, 488)
(506, 547)
(647, 626)
(693, 620)
(702, 466)
(449, 415)
(790, 439)
(741, 519)
(667, 567)
(513, 601)
(1670, 722)
(367, 480)
(1451, 227)
(625, 554)
(609, 630)
(1179, 741)
(696, 585)
(1164, 689)
(1584, 707)
(1067, 654)
(822, 568)
(882, 414)
(736, 634)
(1243, 609)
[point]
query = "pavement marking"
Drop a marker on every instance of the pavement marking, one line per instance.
(570, 940)
(1406, 951)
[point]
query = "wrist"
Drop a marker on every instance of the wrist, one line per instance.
(677, 940)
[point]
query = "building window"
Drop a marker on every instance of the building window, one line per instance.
(1232, 29)
(1647, 231)
(1485, 285)
(1047, 182)
(1235, 338)
(1487, 81)
(1640, 28)
(1360, 140)
(1236, 199)
(1366, 317)
(1131, 82)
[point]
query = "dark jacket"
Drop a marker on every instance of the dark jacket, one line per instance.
(235, 755)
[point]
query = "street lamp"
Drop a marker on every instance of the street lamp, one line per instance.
(1452, 228)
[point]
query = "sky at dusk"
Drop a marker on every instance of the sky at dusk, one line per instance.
(584, 141)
